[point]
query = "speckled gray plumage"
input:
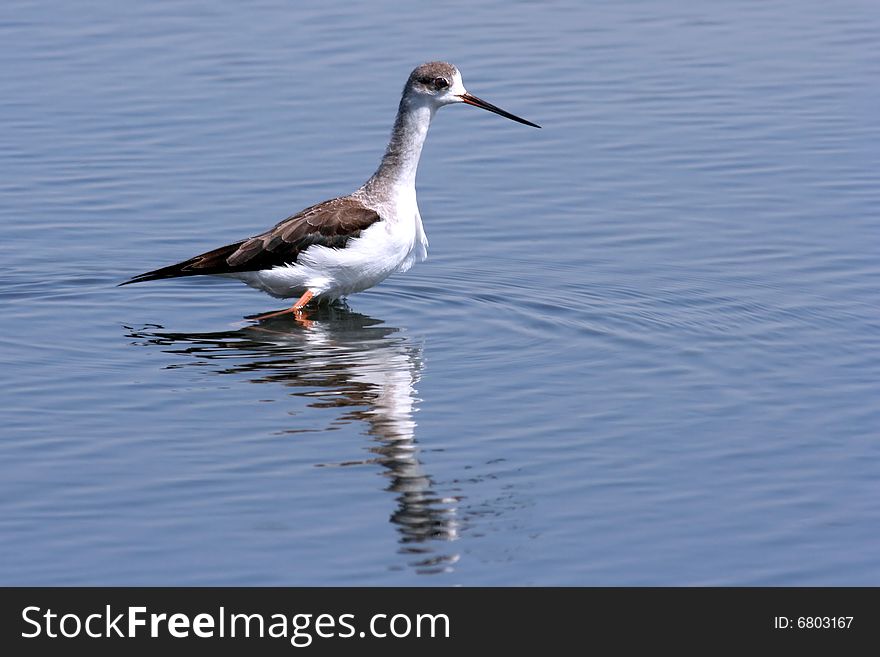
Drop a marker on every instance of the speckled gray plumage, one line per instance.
(430, 70)
(409, 131)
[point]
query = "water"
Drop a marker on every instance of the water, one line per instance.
(645, 348)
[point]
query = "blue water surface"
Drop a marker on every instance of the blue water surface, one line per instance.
(645, 348)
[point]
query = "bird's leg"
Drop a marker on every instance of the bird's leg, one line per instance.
(303, 300)
(296, 309)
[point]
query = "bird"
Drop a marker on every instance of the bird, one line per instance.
(347, 244)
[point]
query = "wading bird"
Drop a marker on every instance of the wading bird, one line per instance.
(351, 243)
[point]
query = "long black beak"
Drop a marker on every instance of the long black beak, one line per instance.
(478, 102)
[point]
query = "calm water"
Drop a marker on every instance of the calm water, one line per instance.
(645, 348)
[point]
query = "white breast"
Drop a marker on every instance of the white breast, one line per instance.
(388, 246)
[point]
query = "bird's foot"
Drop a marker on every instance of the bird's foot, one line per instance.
(297, 310)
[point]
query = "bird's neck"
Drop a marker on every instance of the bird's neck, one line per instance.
(401, 160)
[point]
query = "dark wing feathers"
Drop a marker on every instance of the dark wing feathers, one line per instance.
(212, 262)
(331, 224)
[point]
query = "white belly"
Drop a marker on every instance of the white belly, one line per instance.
(382, 249)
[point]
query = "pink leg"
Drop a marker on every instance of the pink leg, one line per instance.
(296, 309)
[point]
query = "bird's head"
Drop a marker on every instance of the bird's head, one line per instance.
(438, 83)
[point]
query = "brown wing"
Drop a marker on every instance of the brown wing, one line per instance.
(331, 223)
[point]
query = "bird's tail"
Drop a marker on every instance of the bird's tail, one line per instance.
(212, 262)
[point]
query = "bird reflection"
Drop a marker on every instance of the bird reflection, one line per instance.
(353, 363)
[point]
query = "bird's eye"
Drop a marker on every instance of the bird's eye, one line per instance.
(441, 83)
